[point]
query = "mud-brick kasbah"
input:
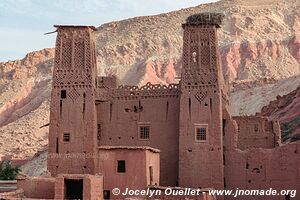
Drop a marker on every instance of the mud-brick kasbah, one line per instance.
(104, 135)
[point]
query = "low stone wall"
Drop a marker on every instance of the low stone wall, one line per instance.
(262, 169)
(39, 188)
(12, 195)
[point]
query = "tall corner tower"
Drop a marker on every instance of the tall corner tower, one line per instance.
(72, 134)
(200, 130)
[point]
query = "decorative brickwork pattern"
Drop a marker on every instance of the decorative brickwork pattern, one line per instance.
(201, 95)
(72, 116)
(125, 92)
(200, 103)
(73, 70)
(73, 94)
(199, 56)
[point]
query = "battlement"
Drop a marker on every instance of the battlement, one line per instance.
(125, 92)
(108, 89)
(205, 19)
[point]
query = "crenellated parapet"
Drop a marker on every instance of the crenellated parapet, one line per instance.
(154, 91)
(148, 91)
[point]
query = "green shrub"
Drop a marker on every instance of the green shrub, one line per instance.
(7, 171)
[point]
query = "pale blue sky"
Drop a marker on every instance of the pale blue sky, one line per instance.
(24, 22)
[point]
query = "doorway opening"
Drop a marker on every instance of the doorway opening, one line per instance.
(151, 175)
(106, 194)
(73, 188)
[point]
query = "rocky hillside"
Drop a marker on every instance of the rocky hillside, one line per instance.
(259, 41)
(250, 98)
(271, 100)
(286, 109)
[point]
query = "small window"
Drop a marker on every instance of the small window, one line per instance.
(145, 132)
(66, 137)
(194, 54)
(256, 127)
(57, 145)
(121, 166)
(63, 94)
(201, 133)
(98, 131)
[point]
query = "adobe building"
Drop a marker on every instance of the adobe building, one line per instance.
(133, 167)
(106, 135)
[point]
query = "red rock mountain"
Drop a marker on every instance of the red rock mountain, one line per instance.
(259, 42)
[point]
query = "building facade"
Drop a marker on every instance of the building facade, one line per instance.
(201, 145)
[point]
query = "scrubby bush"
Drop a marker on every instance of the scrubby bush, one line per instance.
(7, 171)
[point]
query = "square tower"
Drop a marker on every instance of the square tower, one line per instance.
(73, 123)
(200, 130)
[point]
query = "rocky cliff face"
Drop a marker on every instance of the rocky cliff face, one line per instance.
(25, 87)
(260, 50)
(286, 109)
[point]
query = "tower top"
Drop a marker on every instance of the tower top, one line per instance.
(75, 26)
(206, 18)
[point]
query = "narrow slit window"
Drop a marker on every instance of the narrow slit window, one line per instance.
(167, 111)
(190, 105)
(110, 111)
(57, 145)
(256, 127)
(121, 168)
(66, 137)
(83, 107)
(98, 131)
(60, 108)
